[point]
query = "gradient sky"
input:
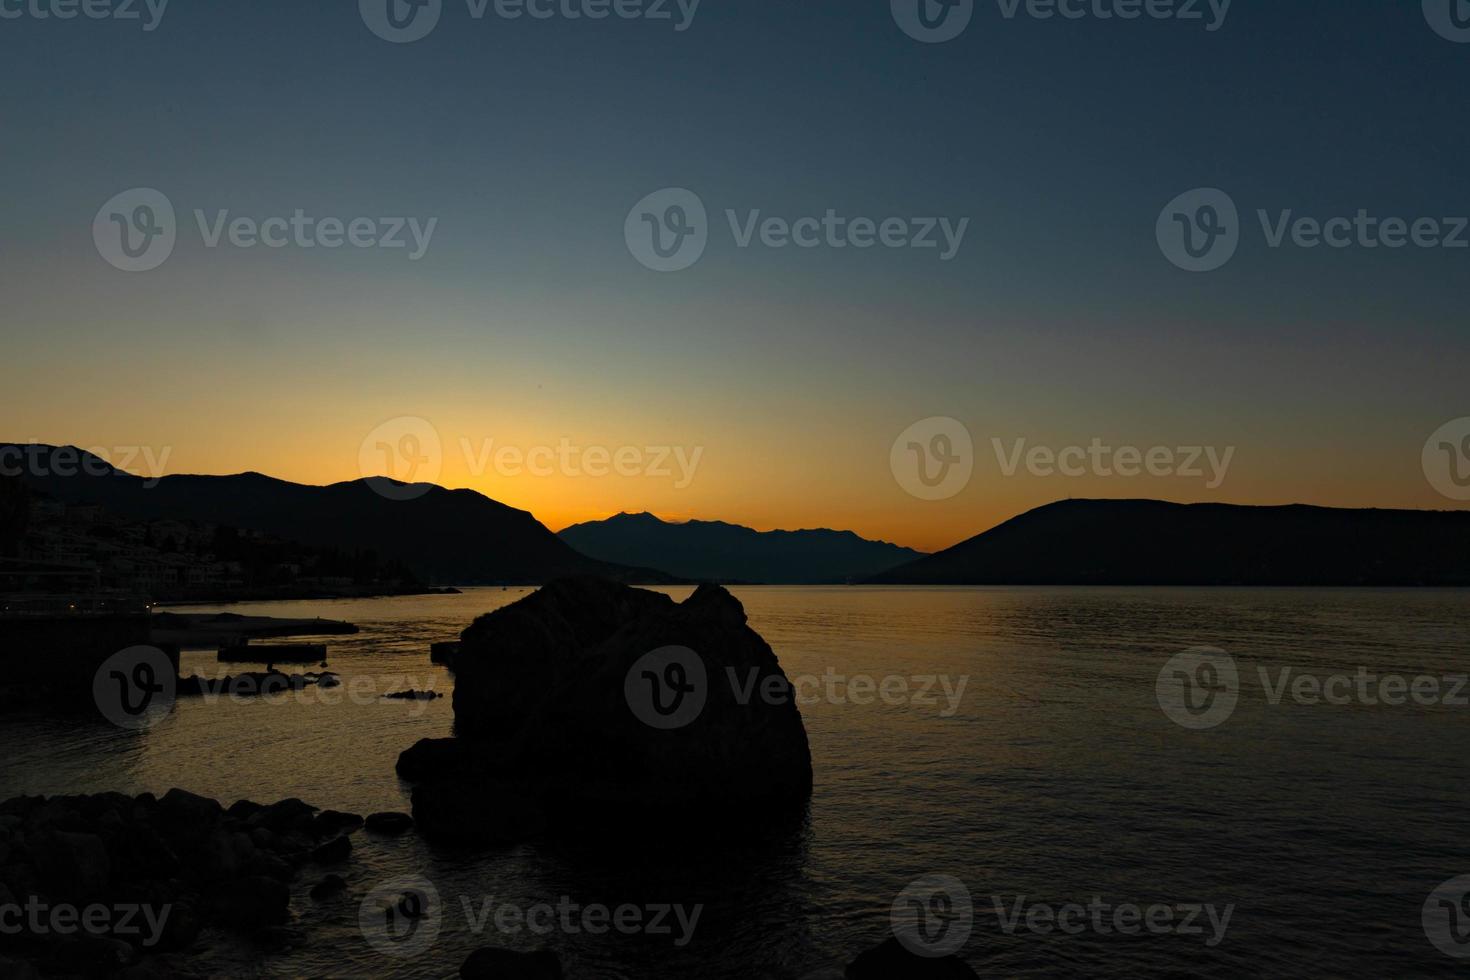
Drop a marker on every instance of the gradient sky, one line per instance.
(528, 321)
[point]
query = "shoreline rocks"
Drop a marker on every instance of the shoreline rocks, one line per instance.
(182, 863)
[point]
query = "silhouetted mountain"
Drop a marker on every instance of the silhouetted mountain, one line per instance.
(713, 551)
(1150, 542)
(446, 536)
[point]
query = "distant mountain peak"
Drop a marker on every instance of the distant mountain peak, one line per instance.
(718, 551)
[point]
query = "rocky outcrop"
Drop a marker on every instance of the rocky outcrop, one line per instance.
(183, 860)
(592, 697)
(492, 963)
(388, 823)
(892, 959)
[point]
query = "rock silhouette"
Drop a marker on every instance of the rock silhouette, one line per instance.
(548, 726)
(492, 963)
(195, 863)
(891, 959)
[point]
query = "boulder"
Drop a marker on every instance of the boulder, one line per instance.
(285, 817)
(74, 867)
(493, 963)
(891, 958)
(330, 822)
(389, 823)
(334, 851)
(253, 903)
(329, 887)
(558, 702)
(434, 758)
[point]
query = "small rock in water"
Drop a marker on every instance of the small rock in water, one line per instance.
(492, 963)
(335, 822)
(891, 958)
(334, 851)
(328, 887)
(389, 823)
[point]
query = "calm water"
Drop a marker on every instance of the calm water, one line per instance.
(1058, 778)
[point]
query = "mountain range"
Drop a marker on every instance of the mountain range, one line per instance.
(713, 551)
(1150, 542)
(455, 537)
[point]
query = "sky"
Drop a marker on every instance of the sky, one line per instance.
(763, 382)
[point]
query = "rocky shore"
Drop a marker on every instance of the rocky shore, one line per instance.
(111, 885)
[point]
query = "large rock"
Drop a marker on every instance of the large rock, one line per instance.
(549, 708)
(493, 963)
(892, 959)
